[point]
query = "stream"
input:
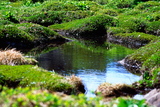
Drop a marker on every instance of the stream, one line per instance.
(93, 64)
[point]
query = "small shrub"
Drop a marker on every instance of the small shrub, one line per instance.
(38, 97)
(11, 17)
(150, 79)
(128, 102)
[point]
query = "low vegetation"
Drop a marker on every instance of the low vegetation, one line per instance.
(13, 57)
(115, 90)
(146, 62)
(27, 35)
(32, 76)
(36, 97)
(31, 23)
(146, 54)
(93, 27)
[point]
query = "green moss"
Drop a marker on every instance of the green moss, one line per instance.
(32, 76)
(137, 35)
(70, 5)
(152, 62)
(151, 16)
(133, 12)
(145, 5)
(38, 33)
(27, 34)
(145, 52)
(12, 33)
(132, 23)
(111, 12)
(153, 28)
(152, 9)
(5, 22)
(88, 25)
(119, 4)
(53, 17)
(116, 30)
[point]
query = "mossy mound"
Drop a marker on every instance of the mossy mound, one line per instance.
(51, 12)
(32, 76)
(119, 4)
(70, 6)
(91, 27)
(40, 34)
(132, 40)
(11, 35)
(5, 22)
(111, 12)
(27, 35)
(135, 61)
(153, 28)
(117, 30)
(152, 62)
(53, 17)
(132, 23)
(147, 4)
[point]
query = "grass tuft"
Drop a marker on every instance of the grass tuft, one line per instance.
(11, 57)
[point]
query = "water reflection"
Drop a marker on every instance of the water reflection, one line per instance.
(94, 67)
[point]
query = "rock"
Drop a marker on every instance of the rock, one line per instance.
(153, 97)
(121, 62)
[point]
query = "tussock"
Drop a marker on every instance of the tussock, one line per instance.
(77, 82)
(109, 90)
(11, 57)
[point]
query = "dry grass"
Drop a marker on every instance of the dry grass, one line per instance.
(77, 82)
(109, 90)
(11, 57)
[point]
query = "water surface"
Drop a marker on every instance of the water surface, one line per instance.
(93, 64)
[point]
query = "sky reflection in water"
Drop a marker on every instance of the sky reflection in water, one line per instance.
(92, 66)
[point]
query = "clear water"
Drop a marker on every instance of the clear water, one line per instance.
(93, 64)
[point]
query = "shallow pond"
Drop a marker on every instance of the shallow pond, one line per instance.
(93, 64)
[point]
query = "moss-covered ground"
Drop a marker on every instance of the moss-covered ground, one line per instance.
(25, 24)
(32, 76)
